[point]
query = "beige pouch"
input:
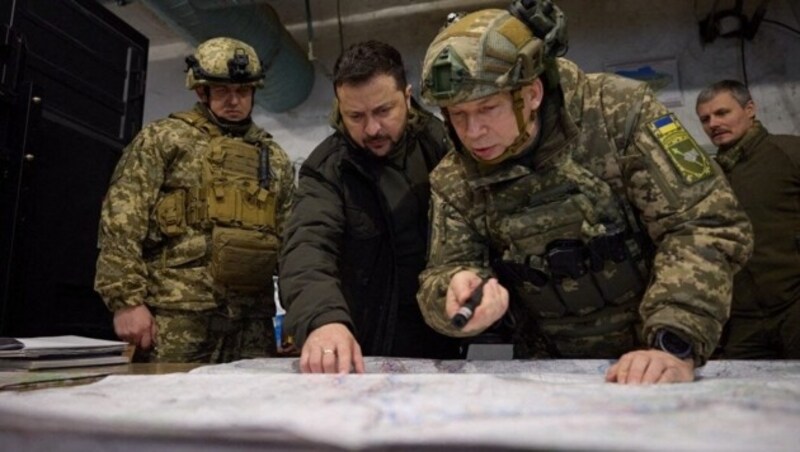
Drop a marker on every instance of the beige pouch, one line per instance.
(243, 260)
(171, 213)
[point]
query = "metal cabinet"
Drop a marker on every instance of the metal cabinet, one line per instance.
(72, 79)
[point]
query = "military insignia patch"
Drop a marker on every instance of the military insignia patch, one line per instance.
(685, 154)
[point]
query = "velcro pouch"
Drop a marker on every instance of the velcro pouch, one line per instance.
(243, 260)
(233, 195)
(171, 213)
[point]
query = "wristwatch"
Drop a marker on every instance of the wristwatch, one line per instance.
(673, 344)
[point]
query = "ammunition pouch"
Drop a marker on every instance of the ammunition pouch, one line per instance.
(230, 194)
(243, 260)
(566, 258)
(582, 298)
(572, 261)
(170, 212)
(237, 205)
(234, 192)
(574, 278)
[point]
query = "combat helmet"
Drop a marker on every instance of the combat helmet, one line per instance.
(224, 60)
(492, 51)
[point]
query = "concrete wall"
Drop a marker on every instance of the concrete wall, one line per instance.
(601, 33)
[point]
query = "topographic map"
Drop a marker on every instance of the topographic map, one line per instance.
(405, 403)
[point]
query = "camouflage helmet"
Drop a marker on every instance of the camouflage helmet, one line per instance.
(223, 60)
(483, 53)
(492, 51)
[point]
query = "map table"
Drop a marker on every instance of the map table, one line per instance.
(401, 404)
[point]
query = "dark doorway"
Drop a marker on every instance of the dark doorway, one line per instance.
(71, 97)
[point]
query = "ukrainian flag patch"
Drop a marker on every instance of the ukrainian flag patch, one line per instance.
(686, 156)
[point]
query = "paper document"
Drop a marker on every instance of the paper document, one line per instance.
(36, 347)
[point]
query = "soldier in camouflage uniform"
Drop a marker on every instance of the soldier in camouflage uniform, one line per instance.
(599, 225)
(190, 227)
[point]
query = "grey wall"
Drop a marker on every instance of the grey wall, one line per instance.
(601, 32)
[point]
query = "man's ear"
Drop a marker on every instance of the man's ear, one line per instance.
(201, 94)
(533, 94)
(407, 93)
(750, 109)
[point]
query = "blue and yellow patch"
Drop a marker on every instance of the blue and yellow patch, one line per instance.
(686, 156)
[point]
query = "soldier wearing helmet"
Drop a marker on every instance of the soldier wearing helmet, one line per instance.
(600, 227)
(224, 73)
(190, 228)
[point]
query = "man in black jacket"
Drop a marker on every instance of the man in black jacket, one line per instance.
(763, 171)
(357, 239)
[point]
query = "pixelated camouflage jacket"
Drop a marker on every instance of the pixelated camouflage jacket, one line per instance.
(137, 264)
(701, 234)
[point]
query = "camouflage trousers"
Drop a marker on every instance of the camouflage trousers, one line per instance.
(774, 336)
(604, 334)
(220, 335)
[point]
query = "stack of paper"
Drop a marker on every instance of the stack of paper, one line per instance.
(63, 351)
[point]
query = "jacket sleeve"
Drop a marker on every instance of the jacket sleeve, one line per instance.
(455, 245)
(121, 278)
(309, 274)
(701, 234)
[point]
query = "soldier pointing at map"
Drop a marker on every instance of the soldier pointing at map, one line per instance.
(601, 226)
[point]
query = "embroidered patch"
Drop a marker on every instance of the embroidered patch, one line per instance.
(686, 156)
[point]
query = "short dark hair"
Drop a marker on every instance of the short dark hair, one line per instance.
(737, 89)
(364, 60)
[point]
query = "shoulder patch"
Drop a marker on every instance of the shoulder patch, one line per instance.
(685, 154)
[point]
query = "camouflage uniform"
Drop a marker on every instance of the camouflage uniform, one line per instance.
(602, 234)
(172, 223)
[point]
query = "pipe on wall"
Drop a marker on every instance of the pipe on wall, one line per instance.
(289, 74)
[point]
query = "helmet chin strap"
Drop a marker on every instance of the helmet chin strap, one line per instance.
(516, 147)
(235, 127)
(225, 122)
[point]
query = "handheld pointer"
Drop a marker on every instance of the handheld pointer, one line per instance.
(466, 311)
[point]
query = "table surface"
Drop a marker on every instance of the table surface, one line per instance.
(405, 403)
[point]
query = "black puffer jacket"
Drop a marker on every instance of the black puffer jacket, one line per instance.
(338, 262)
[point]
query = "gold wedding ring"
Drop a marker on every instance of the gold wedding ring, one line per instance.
(327, 351)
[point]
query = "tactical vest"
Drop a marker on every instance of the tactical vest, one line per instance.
(234, 203)
(573, 260)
